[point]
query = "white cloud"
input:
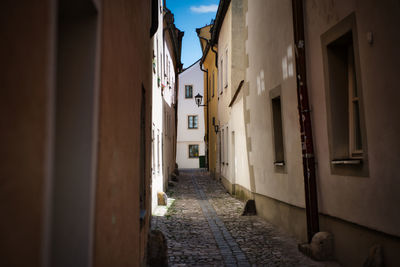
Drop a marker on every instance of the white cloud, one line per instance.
(204, 9)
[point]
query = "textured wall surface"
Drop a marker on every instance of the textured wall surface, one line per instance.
(126, 66)
(24, 94)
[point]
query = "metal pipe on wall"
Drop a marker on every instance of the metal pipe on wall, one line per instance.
(305, 122)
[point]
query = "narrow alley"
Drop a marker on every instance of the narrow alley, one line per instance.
(199, 133)
(204, 226)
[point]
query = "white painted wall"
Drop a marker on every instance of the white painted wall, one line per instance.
(182, 157)
(157, 114)
(187, 106)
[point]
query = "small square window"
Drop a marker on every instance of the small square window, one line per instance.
(188, 91)
(192, 122)
(193, 151)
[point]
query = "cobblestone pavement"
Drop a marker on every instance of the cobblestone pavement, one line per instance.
(204, 227)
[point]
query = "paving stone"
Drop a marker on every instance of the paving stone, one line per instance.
(204, 227)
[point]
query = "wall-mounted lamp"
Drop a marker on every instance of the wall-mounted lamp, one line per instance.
(199, 98)
(216, 128)
(215, 125)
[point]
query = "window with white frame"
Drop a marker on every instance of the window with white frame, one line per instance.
(158, 151)
(192, 122)
(221, 85)
(226, 69)
(343, 86)
(227, 146)
(222, 147)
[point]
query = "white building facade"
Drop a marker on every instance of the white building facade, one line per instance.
(191, 129)
(166, 64)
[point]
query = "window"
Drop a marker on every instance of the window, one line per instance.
(226, 69)
(158, 151)
(153, 161)
(193, 151)
(192, 122)
(221, 76)
(227, 146)
(222, 147)
(188, 91)
(345, 119)
(158, 59)
(277, 131)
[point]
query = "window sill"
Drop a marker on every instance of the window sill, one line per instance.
(279, 163)
(346, 162)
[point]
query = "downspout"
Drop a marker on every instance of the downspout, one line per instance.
(310, 187)
(216, 55)
(206, 105)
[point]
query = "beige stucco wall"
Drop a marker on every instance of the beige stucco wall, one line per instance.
(271, 65)
(209, 64)
(238, 172)
(370, 201)
(234, 167)
(224, 42)
(125, 68)
(25, 97)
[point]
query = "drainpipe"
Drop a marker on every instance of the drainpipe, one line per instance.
(305, 122)
(206, 105)
(216, 55)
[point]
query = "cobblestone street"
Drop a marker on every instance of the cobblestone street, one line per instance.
(204, 227)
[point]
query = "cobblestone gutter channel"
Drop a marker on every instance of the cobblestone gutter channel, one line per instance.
(231, 252)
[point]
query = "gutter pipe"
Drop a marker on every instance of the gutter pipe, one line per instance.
(206, 105)
(310, 186)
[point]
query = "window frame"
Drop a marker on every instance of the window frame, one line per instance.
(226, 69)
(197, 122)
(278, 142)
(191, 91)
(343, 160)
(221, 83)
(198, 151)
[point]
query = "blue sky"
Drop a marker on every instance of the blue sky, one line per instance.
(189, 15)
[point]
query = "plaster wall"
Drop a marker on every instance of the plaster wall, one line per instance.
(271, 69)
(238, 161)
(182, 157)
(224, 92)
(125, 71)
(209, 64)
(187, 106)
(224, 43)
(237, 169)
(371, 200)
(26, 81)
(169, 110)
(157, 111)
